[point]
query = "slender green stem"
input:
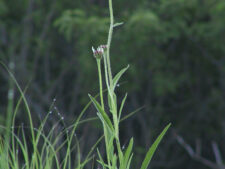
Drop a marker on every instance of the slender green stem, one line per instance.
(115, 119)
(109, 41)
(9, 110)
(114, 107)
(100, 82)
(106, 73)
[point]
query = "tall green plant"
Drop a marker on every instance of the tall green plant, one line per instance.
(115, 156)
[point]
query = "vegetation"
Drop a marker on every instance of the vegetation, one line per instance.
(44, 150)
(175, 50)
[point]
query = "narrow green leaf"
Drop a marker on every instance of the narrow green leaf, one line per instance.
(111, 102)
(122, 104)
(101, 160)
(115, 100)
(131, 114)
(118, 24)
(127, 154)
(129, 162)
(121, 157)
(85, 162)
(114, 160)
(106, 126)
(103, 113)
(129, 149)
(110, 146)
(118, 75)
(153, 148)
(93, 147)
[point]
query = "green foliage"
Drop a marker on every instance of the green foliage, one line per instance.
(175, 49)
(103, 116)
(15, 153)
(78, 19)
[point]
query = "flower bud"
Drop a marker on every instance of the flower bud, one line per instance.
(98, 54)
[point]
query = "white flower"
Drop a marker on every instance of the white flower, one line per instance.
(98, 54)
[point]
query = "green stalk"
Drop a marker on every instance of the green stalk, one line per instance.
(115, 119)
(9, 108)
(106, 73)
(111, 91)
(100, 82)
(109, 41)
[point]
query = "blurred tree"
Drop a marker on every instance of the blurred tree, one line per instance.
(175, 49)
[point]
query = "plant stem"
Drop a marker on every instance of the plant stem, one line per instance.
(109, 68)
(109, 41)
(100, 82)
(9, 106)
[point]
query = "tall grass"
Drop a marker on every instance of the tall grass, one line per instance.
(38, 150)
(41, 150)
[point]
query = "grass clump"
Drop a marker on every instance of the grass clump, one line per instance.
(43, 151)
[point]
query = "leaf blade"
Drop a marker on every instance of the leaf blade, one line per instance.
(118, 75)
(102, 112)
(153, 148)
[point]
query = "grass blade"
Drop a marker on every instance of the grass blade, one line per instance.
(118, 75)
(118, 24)
(121, 106)
(153, 148)
(102, 112)
(128, 154)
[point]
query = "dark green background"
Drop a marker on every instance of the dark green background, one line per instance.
(176, 52)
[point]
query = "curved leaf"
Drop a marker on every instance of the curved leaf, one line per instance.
(118, 75)
(152, 149)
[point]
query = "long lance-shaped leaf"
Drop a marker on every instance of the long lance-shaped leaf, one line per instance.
(127, 154)
(153, 148)
(131, 114)
(118, 75)
(129, 162)
(121, 106)
(103, 113)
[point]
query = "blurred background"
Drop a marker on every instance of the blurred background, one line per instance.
(176, 52)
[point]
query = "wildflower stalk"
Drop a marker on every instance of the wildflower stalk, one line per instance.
(106, 71)
(109, 41)
(114, 153)
(100, 82)
(114, 107)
